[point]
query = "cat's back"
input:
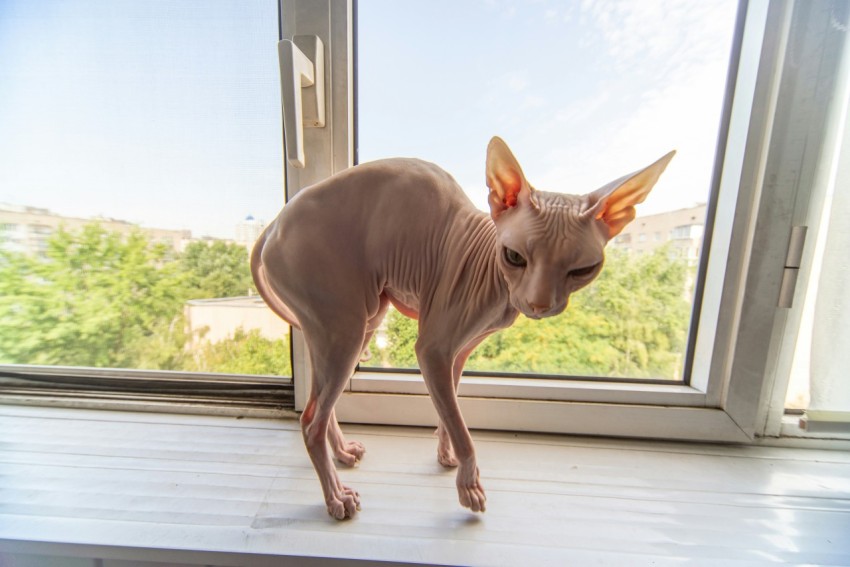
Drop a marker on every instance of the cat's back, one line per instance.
(376, 216)
(395, 186)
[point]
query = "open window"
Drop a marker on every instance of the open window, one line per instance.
(766, 122)
(175, 110)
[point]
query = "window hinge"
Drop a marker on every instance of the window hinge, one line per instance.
(792, 266)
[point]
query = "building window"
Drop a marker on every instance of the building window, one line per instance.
(683, 232)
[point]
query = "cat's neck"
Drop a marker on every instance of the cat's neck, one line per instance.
(478, 280)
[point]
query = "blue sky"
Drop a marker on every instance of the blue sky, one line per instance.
(163, 113)
(167, 113)
(583, 92)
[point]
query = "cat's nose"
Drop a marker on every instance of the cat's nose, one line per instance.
(539, 309)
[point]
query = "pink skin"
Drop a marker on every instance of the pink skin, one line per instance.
(402, 231)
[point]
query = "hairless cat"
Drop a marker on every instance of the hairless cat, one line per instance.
(402, 231)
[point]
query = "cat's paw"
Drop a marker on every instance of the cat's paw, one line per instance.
(366, 355)
(470, 492)
(344, 503)
(445, 452)
(447, 458)
(349, 453)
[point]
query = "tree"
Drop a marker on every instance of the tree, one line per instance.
(91, 295)
(631, 322)
(219, 269)
(403, 332)
(244, 353)
(101, 299)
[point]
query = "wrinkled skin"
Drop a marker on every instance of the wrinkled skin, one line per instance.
(402, 231)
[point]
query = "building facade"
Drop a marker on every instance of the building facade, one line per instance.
(27, 229)
(248, 231)
(682, 230)
(213, 320)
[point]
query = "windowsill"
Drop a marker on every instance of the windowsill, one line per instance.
(792, 429)
(225, 491)
(518, 388)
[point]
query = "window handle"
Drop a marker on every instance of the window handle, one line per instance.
(302, 91)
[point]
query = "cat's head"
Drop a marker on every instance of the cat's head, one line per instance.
(552, 243)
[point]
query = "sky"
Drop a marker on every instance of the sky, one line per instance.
(167, 113)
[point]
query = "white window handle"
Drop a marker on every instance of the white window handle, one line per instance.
(302, 66)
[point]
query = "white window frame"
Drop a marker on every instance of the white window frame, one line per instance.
(740, 325)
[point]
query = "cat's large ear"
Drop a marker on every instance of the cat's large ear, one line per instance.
(508, 186)
(614, 204)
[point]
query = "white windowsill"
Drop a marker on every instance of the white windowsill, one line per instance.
(177, 489)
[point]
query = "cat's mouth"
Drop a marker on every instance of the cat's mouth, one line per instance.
(538, 313)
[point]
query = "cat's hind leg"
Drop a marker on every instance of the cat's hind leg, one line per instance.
(333, 355)
(350, 452)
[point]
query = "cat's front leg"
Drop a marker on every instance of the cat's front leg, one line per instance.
(436, 362)
(445, 452)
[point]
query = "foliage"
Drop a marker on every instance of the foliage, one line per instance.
(101, 299)
(93, 293)
(98, 298)
(244, 353)
(216, 270)
(403, 333)
(631, 322)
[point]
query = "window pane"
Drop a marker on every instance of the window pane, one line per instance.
(138, 140)
(583, 92)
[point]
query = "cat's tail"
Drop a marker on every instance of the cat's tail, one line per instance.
(258, 272)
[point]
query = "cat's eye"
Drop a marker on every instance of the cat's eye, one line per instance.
(583, 272)
(514, 258)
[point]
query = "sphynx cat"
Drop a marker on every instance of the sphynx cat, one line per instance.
(402, 231)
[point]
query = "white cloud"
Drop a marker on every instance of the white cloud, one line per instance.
(514, 81)
(663, 91)
(582, 110)
(532, 101)
(634, 32)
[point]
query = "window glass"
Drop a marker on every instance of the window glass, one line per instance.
(583, 92)
(139, 138)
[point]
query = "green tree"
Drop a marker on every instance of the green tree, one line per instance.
(92, 294)
(165, 347)
(403, 332)
(244, 353)
(97, 298)
(219, 269)
(631, 322)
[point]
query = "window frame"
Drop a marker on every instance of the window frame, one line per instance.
(743, 335)
(736, 333)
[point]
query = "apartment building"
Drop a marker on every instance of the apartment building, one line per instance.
(27, 229)
(248, 230)
(681, 229)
